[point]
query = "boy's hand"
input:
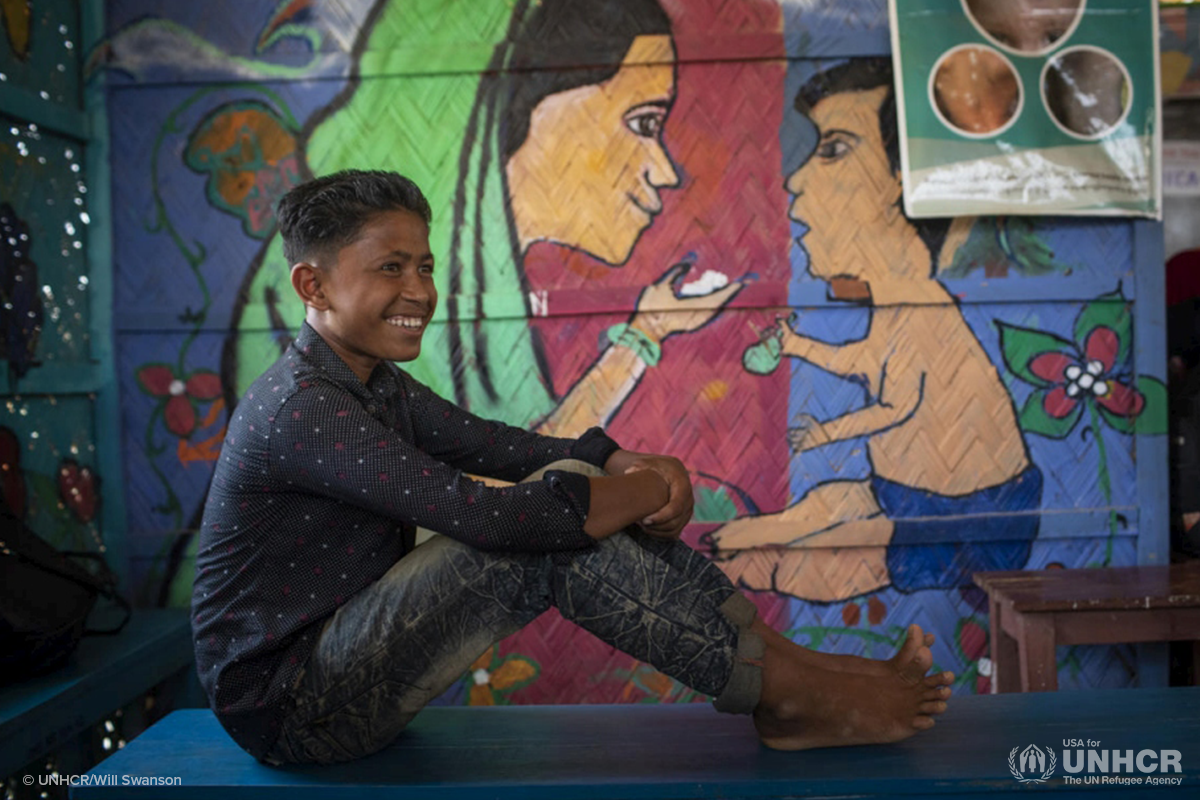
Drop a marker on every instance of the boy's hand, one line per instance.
(668, 521)
(807, 434)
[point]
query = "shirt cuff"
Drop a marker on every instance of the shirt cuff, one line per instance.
(595, 447)
(573, 487)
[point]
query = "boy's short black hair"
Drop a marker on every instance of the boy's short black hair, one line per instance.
(324, 215)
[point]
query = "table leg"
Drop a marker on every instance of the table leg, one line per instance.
(1035, 646)
(1006, 669)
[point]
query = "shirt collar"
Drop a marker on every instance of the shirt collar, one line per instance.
(314, 349)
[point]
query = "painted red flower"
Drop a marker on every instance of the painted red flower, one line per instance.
(1076, 377)
(1092, 372)
(179, 394)
(77, 488)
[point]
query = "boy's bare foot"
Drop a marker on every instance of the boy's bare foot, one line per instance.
(911, 661)
(806, 704)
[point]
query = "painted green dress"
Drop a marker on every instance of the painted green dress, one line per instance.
(422, 109)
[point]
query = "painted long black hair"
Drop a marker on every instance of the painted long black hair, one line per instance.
(551, 46)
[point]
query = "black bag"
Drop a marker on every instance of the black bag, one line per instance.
(46, 596)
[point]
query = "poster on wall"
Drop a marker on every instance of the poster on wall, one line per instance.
(1035, 107)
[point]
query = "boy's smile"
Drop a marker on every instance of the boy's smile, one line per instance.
(374, 299)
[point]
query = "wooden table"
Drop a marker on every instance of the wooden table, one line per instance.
(1034, 611)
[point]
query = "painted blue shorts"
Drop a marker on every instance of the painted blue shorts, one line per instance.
(991, 529)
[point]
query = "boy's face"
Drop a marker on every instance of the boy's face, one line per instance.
(379, 292)
(843, 193)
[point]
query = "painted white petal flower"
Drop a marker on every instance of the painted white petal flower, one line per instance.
(1095, 367)
(1072, 390)
(1073, 372)
(177, 387)
(984, 665)
(1086, 381)
(1100, 388)
(481, 676)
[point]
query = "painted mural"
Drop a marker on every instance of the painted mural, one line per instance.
(677, 220)
(48, 463)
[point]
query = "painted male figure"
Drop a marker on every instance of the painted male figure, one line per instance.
(940, 428)
(321, 630)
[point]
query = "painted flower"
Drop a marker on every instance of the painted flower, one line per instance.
(179, 394)
(642, 683)
(972, 640)
(1093, 371)
(493, 677)
(78, 489)
(249, 154)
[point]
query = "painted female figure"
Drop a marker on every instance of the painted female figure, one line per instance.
(537, 149)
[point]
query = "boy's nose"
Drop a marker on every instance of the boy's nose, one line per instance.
(414, 288)
(793, 184)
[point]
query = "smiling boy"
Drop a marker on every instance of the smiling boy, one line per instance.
(320, 630)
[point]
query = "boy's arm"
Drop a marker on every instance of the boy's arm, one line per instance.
(898, 400)
(490, 448)
(860, 357)
(619, 501)
(324, 443)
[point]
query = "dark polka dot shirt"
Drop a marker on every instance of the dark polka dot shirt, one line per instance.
(320, 485)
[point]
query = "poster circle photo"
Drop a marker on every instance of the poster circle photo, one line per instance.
(975, 91)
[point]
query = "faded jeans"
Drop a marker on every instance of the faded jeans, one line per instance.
(408, 637)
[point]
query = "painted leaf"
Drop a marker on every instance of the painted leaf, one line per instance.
(713, 505)
(481, 695)
(1110, 311)
(1020, 346)
(1034, 418)
(514, 673)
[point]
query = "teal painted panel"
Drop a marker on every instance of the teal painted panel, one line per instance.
(43, 197)
(47, 462)
(41, 50)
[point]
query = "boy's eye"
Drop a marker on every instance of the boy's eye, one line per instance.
(426, 269)
(648, 125)
(833, 148)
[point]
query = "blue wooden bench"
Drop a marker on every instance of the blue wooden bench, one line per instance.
(39, 715)
(664, 751)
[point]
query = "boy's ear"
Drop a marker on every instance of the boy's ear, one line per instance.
(307, 281)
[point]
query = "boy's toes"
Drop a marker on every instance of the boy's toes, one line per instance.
(939, 679)
(932, 707)
(923, 723)
(936, 693)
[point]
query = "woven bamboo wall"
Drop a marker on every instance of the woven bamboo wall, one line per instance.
(955, 377)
